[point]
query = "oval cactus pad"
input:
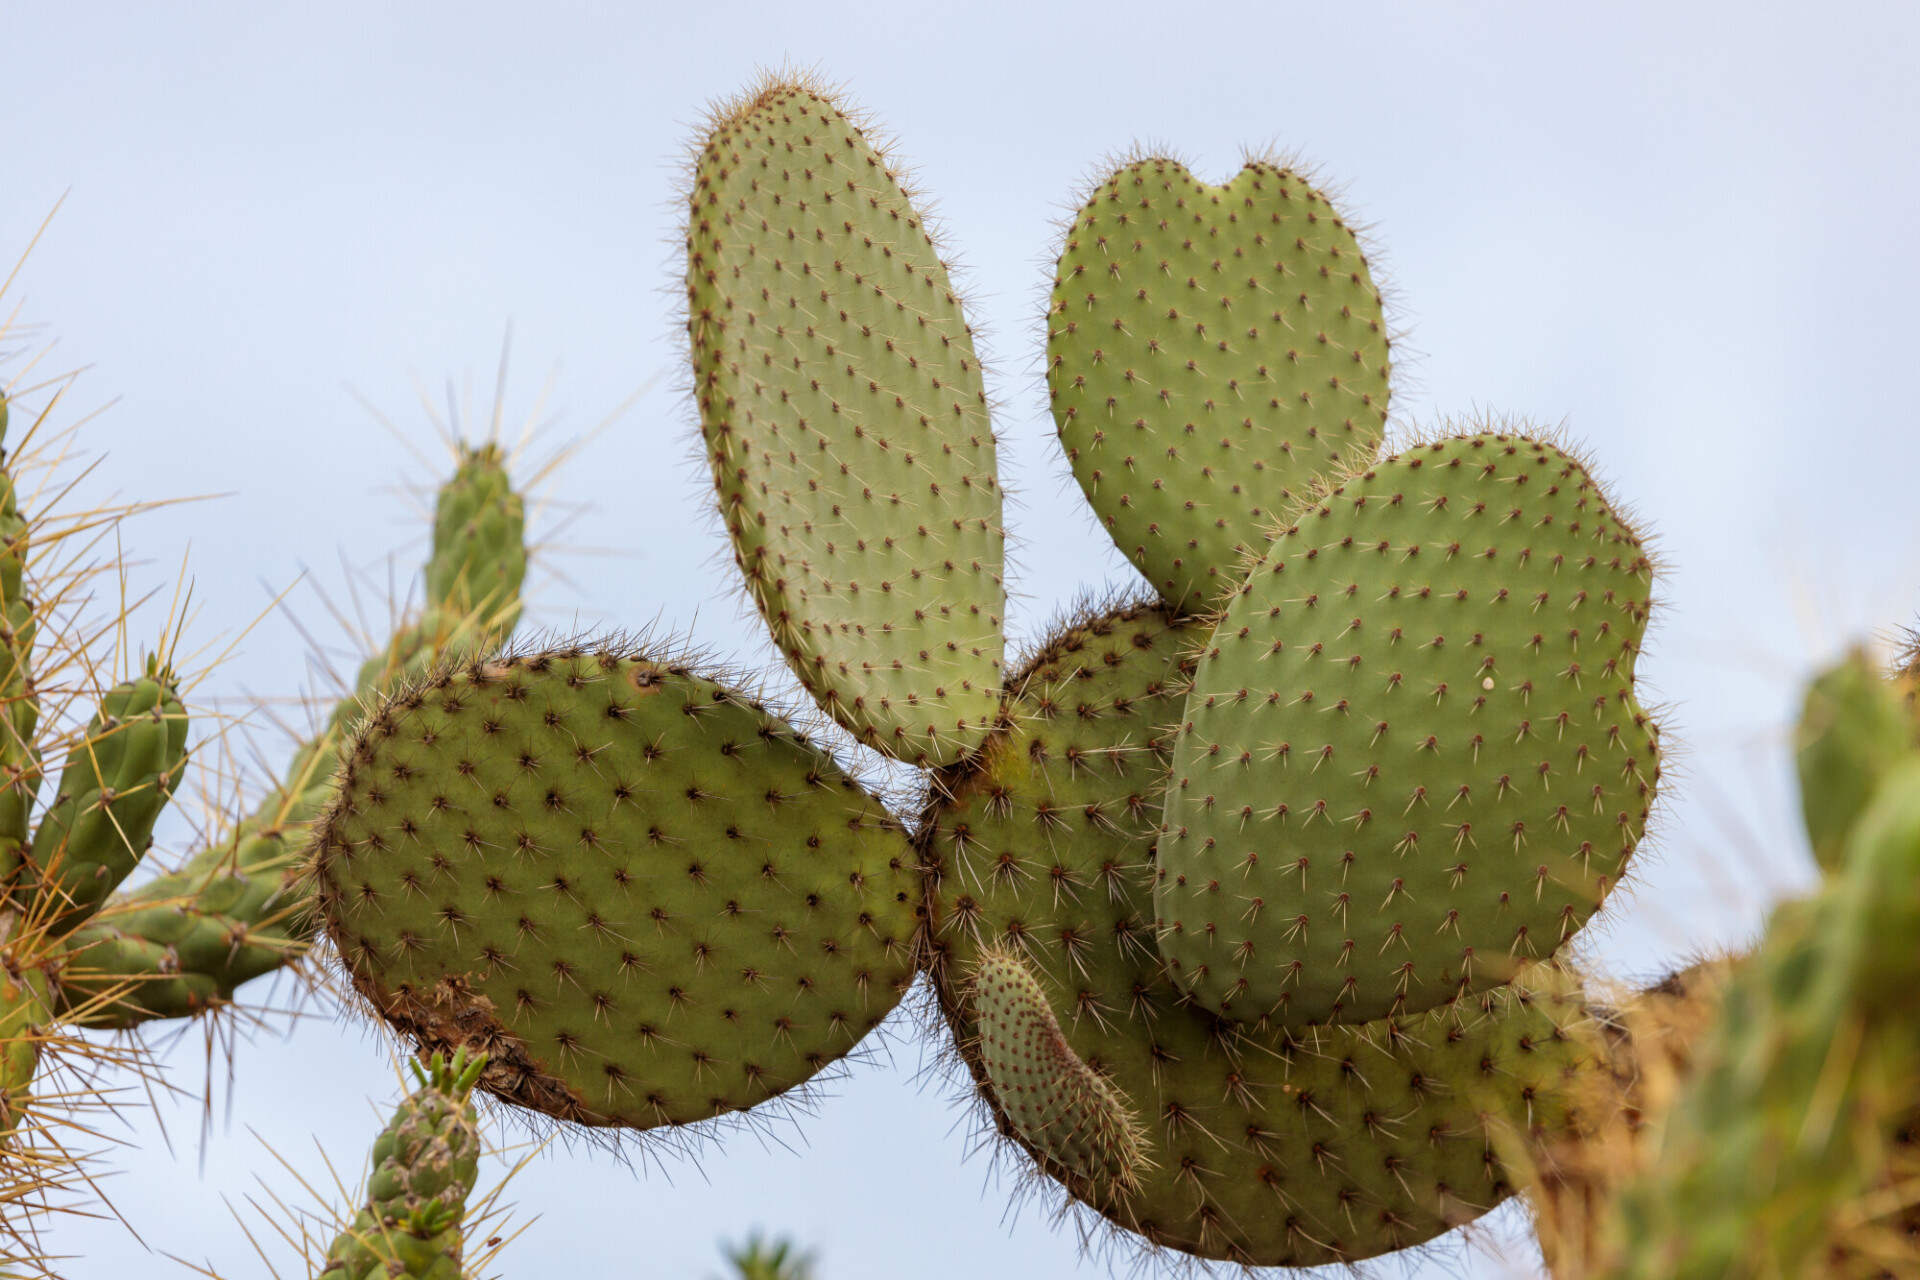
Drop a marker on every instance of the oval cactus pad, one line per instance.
(1412, 758)
(646, 898)
(846, 425)
(1211, 351)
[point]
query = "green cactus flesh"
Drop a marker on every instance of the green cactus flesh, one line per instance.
(118, 777)
(1053, 1100)
(19, 703)
(1269, 1147)
(846, 425)
(183, 942)
(1412, 760)
(24, 1014)
(646, 898)
(425, 1163)
(1853, 730)
(1786, 1153)
(1211, 351)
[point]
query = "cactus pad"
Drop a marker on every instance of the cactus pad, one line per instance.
(1269, 1148)
(1053, 1100)
(1412, 760)
(1211, 351)
(846, 424)
(645, 897)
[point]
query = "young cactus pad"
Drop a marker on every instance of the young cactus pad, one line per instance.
(1269, 1147)
(645, 897)
(425, 1164)
(846, 424)
(1412, 759)
(1053, 1100)
(1211, 351)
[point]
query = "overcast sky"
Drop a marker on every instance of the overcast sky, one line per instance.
(1687, 232)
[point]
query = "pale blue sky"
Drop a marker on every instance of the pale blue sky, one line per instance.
(1685, 230)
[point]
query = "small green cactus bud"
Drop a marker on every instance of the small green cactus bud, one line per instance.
(1055, 1102)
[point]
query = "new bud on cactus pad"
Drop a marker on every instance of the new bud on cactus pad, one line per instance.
(1412, 760)
(1211, 351)
(1053, 1100)
(846, 423)
(645, 897)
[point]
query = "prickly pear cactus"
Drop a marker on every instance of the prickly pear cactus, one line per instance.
(1413, 760)
(425, 1163)
(1211, 352)
(1270, 1145)
(846, 423)
(644, 896)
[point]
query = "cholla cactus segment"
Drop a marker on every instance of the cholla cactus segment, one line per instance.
(1792, 1150)
(1270, 1146)
(846, 423)
(1412, 760)
(19, 702)
(479, 556)
(1853, 729)
(182, 942)
(118, 778)
(24, 1013)
(1211, 352)
(646, 897)
(1054, 1101)
(425, 1164)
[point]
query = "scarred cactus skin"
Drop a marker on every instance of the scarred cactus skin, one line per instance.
(846, 424)
(1271, 1146)
(1211, 352)
(425, 1163)
(1053, 1100)
(647, 898)
(183, 942)
(1412, 760)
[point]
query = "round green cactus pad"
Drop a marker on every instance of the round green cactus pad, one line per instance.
(646, 898)
(1412, 760)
